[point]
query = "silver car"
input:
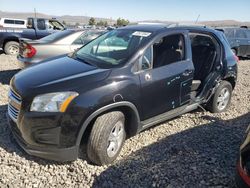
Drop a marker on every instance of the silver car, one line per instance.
(59, 43)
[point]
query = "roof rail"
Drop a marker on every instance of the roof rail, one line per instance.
(183, 24)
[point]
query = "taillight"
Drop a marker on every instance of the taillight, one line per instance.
(236, 58)
(243, 174)
(29, 51)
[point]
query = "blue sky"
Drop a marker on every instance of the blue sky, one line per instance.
(136, 10)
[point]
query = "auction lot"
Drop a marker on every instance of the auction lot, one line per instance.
(198, 149)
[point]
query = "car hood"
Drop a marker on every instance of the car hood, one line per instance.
(60, 74)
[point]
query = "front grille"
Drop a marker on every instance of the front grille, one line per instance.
(14, 105)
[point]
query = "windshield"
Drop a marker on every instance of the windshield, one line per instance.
(56, 36)
(113, 48)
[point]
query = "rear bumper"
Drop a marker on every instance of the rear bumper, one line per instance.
(46, 152)
(25, 62)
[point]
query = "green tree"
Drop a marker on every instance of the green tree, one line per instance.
(105, 23)
(64, 23)
(121, 22)
(100, 23)
(92, 21)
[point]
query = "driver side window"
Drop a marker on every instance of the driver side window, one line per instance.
(146, 60)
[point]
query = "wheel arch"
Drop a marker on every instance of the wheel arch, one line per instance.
(8, 39)
(132, 119)
(231, 80)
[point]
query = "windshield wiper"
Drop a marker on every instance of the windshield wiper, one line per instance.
(82, 59)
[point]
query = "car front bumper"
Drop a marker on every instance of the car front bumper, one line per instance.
(46, 151)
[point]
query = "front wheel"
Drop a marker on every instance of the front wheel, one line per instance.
(11, 48)
(221, 98)
(106, 138)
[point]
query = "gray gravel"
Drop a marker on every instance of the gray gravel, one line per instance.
(198, 149)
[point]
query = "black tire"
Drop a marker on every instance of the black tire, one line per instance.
(11, 48)
(98, 142)
(213, 104)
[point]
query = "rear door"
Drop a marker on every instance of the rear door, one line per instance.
(166, 75)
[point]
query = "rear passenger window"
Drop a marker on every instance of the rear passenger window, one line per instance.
(168, 50)
(240, 33)
(85, 38)
(9, 21)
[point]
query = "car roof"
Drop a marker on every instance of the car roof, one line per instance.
(162, 28)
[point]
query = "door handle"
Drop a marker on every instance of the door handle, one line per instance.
(187, 72)
(148, 77)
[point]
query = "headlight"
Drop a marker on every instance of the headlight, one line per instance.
(52, 102)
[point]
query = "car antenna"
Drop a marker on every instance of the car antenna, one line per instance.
(197, 19)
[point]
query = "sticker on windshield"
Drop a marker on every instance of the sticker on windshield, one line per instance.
(141, 34)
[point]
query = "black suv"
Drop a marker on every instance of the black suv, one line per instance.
(239, 40)
(116, 86)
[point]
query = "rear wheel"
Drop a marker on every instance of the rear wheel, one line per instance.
(221, 99)
(106, 138)
(11, 48)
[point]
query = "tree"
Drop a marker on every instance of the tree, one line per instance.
(64, 23)
(92, 21)
(121, 22)
(105, 23)
(100, 23)
(77, 24)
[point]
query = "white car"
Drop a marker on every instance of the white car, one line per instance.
(13, 23)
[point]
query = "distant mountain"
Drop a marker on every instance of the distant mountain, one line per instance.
(219, 23)
(72, 20)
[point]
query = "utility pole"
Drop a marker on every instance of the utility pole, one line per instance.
(35, 12)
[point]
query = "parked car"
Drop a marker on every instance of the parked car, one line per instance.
(239, 40)
(119, 84)
(13, 23)
(243, 165)
(36, 29)
(34, 51)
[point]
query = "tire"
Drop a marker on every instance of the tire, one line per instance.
(221, 98)
(101, 148)
(11, 48)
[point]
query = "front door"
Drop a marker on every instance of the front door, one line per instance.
(166, 75)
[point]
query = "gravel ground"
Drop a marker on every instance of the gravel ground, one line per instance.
(198, 149)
